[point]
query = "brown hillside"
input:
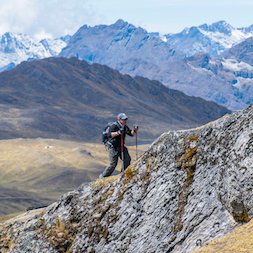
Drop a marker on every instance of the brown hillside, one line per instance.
(70, 99)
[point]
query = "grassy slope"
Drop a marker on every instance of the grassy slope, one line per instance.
(239, 240)
(35, 172)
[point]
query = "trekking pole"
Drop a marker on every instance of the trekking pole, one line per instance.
(136, 144)
(122, 151)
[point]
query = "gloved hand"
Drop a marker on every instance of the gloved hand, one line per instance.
(135, 128)
(120, 131)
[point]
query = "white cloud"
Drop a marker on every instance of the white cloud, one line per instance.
(51, 17)
(16, 15)
(42, 35)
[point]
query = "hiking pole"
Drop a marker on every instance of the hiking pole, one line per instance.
(122, 151)
(136, 144)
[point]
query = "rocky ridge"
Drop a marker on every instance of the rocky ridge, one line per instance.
(190, 187)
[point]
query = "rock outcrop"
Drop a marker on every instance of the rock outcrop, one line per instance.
(191, 186)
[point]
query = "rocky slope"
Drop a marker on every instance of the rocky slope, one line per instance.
(233, 72)
(190, 187)
(242, 52)
(239, 240)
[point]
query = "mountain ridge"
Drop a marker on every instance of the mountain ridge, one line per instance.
(132, 50)
(57, 97)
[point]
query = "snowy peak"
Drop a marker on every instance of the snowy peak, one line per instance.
(6, 43)
(54, 46)
(212, 39)
(225, 35)
(120, 23)
(220, 26)
(11, 43)
(116, 44)
(189, 32)
(15, 48)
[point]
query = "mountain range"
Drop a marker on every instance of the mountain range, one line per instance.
(171, 59)
(71, 99)
(166, 58)
(136, 52)
(211, 39)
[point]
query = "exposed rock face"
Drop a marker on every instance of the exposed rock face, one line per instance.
(188, 188)
(243, 51)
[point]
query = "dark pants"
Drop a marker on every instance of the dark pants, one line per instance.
(114, 155)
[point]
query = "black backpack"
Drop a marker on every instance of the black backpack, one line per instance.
(105, 137)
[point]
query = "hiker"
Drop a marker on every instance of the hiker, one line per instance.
(116, 133)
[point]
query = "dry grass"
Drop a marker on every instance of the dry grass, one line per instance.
(239, 240)
(47, 168)
(31, 160)
(105, 181)
(8, 217)
(20, 217)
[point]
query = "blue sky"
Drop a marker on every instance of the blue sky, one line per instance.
(52, 18)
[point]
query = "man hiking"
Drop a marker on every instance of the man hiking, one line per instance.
(115, 144)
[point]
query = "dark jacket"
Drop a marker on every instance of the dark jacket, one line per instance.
(116, 141)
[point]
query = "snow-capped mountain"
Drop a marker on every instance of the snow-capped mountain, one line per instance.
(15, 48)
(116, 45)
(242, 51)
(175, 60)
(213, 39)
(234, 74)
(134, 51)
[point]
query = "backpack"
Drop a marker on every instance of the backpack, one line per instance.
(105, 133)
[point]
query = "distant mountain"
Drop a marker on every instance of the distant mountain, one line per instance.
(134, 51)
(68, 98)
(212, 39)
(169, 59)
(234, 67)
(242, 52)
(116, 44)
(15, 48)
